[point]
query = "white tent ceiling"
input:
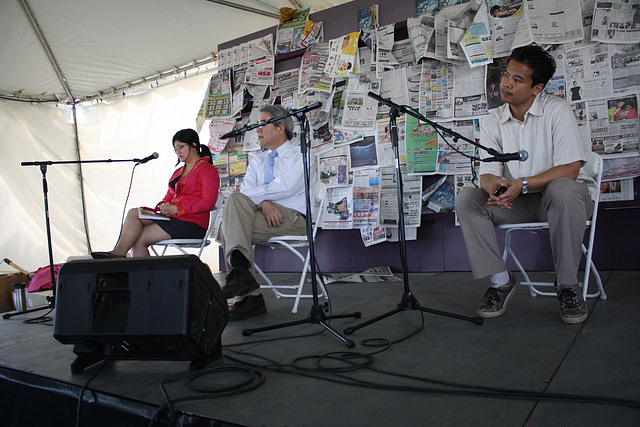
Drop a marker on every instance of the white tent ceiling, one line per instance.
(100, 44)
(96, 45)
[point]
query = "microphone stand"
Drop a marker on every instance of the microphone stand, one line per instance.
(316, 315)
(408, 300)
(45, 190)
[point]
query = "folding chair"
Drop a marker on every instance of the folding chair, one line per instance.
(199, 244)
(292, 243)
(593, 167)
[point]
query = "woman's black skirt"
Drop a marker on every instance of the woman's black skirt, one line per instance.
(179, 229)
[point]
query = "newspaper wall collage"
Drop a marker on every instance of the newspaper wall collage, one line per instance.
(449, 69)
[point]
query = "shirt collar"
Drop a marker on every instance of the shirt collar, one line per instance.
(534, 110)
(200, 161)
(281, 149)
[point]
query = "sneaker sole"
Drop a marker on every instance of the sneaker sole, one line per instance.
(490, 314)
(574, 320)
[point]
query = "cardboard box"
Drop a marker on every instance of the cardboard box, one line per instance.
(6, 289)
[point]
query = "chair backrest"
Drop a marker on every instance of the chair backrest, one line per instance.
(593, 167)
(214, 215)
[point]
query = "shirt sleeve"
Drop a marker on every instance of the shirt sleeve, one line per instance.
(568, 146)
(287, 183)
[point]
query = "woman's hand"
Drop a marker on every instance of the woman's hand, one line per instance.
(168, 209)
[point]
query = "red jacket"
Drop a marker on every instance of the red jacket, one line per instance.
(195, 193)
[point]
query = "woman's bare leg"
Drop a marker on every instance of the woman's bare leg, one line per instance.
(151, 233)
(131, 231)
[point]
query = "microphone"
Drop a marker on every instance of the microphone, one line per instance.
(308, 108)
(234, 133)
(146, 159)
(387, 102)
(246, 128)
(521, 156)
(377, 97)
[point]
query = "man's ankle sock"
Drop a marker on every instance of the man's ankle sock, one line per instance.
(499, 279)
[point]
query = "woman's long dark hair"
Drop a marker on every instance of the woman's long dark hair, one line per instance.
(191, 138)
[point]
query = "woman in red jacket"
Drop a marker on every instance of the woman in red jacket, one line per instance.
(192, 194)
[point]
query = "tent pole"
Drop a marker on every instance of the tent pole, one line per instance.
(82, 197)
(246, 8)
(48, 51)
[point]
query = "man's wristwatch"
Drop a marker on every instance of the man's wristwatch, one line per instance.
(525, 186)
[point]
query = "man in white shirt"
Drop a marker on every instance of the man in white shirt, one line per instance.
(549, 186)
(271, 202)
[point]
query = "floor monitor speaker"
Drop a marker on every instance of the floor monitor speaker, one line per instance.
(154, 308)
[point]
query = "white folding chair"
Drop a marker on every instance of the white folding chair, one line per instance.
(199, 244)
(593, 167)
(292, 243)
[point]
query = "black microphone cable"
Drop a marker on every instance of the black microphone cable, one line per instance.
(107, 354)
(126, 200)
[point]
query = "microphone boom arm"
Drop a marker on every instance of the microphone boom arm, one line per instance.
(294, 112)
(455, 135)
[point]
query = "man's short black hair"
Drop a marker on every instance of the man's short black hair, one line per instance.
(539, 60)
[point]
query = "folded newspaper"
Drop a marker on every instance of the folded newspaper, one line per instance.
(443, 199)
(370, 275)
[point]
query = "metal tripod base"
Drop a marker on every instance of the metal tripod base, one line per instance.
(316, 316)
(49, 306)
(409, 302)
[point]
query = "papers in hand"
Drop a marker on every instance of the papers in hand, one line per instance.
(150, 213)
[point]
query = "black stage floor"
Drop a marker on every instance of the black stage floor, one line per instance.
(525, 368)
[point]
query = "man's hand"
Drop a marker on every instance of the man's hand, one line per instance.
(511, 190)
(272, 214)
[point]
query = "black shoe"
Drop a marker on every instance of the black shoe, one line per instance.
(249, 306)
(239, 282)
(573, 309)
(496, 299)
(105, 255)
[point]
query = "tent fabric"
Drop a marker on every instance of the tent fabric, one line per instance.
(38, 133)
(133, 127)
(98, 44)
